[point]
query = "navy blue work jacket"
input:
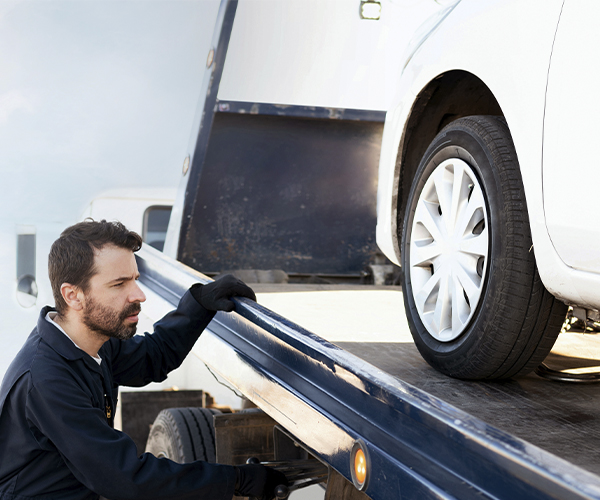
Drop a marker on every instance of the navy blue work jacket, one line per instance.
(56, 440)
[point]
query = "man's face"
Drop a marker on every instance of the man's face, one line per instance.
(113, 298)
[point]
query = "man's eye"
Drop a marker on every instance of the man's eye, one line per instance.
(118, 284)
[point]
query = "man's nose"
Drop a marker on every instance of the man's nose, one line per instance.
(137, 294)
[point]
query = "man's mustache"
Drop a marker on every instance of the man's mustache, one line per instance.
(131, 310)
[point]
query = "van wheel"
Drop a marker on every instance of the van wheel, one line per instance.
(183, 435)
(476, 306)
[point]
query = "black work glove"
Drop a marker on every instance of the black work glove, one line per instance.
(258, 481)
(216, 296)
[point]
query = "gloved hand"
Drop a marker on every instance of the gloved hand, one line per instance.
(216, 296)
(258, 481)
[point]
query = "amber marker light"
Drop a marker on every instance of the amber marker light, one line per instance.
(360, 465)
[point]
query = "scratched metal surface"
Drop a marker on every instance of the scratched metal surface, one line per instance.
(561, 418)
(281, 192)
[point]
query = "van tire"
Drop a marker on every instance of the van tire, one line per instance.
(515, 320)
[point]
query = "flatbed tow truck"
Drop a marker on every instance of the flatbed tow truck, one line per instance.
(281, 175)
(423, 435)
(304, 116)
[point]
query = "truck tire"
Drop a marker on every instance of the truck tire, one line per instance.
(476, 306)
(183, 435)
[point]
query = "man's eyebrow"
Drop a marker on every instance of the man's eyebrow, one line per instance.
(126, 278)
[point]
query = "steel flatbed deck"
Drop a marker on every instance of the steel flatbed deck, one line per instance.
(560, 418)
(427, 436)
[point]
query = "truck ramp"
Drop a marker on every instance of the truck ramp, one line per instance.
(559, 417)
(426, 436)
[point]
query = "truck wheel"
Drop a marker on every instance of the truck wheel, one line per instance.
(476, 306)
(183, 435)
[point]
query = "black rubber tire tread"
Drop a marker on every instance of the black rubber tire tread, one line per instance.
(517, 320)
(199, 422)
(184, 435)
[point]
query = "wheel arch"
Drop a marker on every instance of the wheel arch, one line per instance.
(448, 97)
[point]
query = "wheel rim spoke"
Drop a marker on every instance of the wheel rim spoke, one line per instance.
(427, 294)
(449, 248)
(461, 309)
(475, 245)
(470, 283)
(425, 254)
(443, 310)
(460, 193)
(472, 213)
(429, 221)
(444, 190)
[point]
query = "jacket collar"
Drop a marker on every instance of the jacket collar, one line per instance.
(58, 340)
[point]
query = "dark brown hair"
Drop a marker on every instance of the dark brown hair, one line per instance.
(71, 258)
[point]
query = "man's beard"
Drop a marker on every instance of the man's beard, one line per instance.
(108, 322)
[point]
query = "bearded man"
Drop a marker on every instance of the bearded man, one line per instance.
(58, 397)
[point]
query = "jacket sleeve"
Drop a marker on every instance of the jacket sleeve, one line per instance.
(149, 358)
(105, 460)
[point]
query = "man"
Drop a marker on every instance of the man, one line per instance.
(58, 397)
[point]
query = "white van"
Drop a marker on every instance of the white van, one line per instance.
(487, 182)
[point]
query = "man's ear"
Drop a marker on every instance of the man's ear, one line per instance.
(72, 295)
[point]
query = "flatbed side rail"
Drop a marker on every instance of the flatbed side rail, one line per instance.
(418, 446)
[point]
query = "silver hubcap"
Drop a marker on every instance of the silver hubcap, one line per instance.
(449, 249)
